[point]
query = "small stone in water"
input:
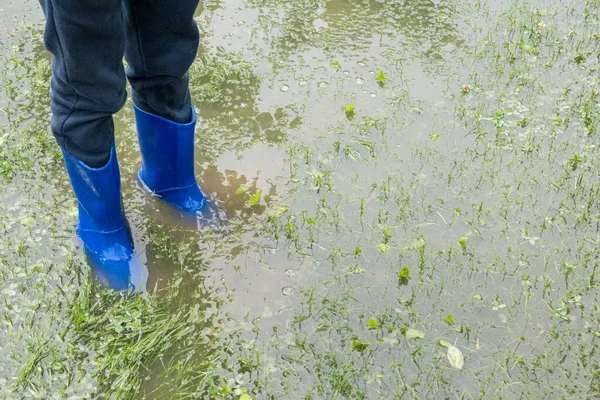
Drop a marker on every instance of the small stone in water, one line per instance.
(287, 291)
(284, 88)
(323, 84)
(373, 95)
(303, 82)
(290, 272)
(360, 81)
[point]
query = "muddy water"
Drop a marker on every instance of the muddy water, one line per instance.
(468, 162)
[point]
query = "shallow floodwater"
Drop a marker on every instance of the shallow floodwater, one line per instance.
(403, 204)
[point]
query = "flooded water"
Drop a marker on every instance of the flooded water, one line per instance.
(403, 204)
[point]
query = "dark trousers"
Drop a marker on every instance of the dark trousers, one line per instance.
(88, 38)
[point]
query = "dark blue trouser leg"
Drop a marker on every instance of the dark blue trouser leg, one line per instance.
(88, 39)
(162, 42)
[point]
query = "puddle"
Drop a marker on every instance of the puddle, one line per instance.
(381, 175)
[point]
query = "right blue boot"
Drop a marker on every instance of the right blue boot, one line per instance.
(102, 225)
(167, 169)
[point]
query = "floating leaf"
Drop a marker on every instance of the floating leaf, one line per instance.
(463, 243)
(255, 198)
(523, 122)
(449, 319)
(358, 345)
(28, 221)
(373, 324)
(213, 390)
(349, 110)
(455, 356)
(278, 211)
(380, 78)
(404, 273)
(355, 269)
(225, 390)
(383, 247)
(245, 396)
(336, 64)
(240, 191)
(386, 233)
(410, 333)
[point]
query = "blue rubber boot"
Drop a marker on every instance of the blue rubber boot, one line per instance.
(167, 169)
(102, 226)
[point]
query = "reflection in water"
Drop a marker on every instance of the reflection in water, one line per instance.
(171, 235)
(340, 27)
(122, 277)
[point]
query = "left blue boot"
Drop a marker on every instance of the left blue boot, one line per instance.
(102, 226)
(167, 169)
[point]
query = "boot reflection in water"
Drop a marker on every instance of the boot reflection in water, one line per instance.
(88, 40)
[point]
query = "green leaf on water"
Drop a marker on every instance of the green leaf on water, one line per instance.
(336, 64)
(403, 276)
(358, 345)
(225, 390)
(463, 243)
(386, 233)
(278, 211)
(240, 191)
(383, 247)
(404, 273)
(410, 333)
(380, 78)
(245, 396)
(373, 324)
(28, 221)
(449, 319)
(255, 198)
(455, 356)
(349, 110)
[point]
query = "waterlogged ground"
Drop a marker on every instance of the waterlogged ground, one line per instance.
(407, 206)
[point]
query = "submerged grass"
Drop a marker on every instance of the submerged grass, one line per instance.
(135, 338)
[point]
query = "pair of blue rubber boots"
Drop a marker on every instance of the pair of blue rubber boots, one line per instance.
(167, 171)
